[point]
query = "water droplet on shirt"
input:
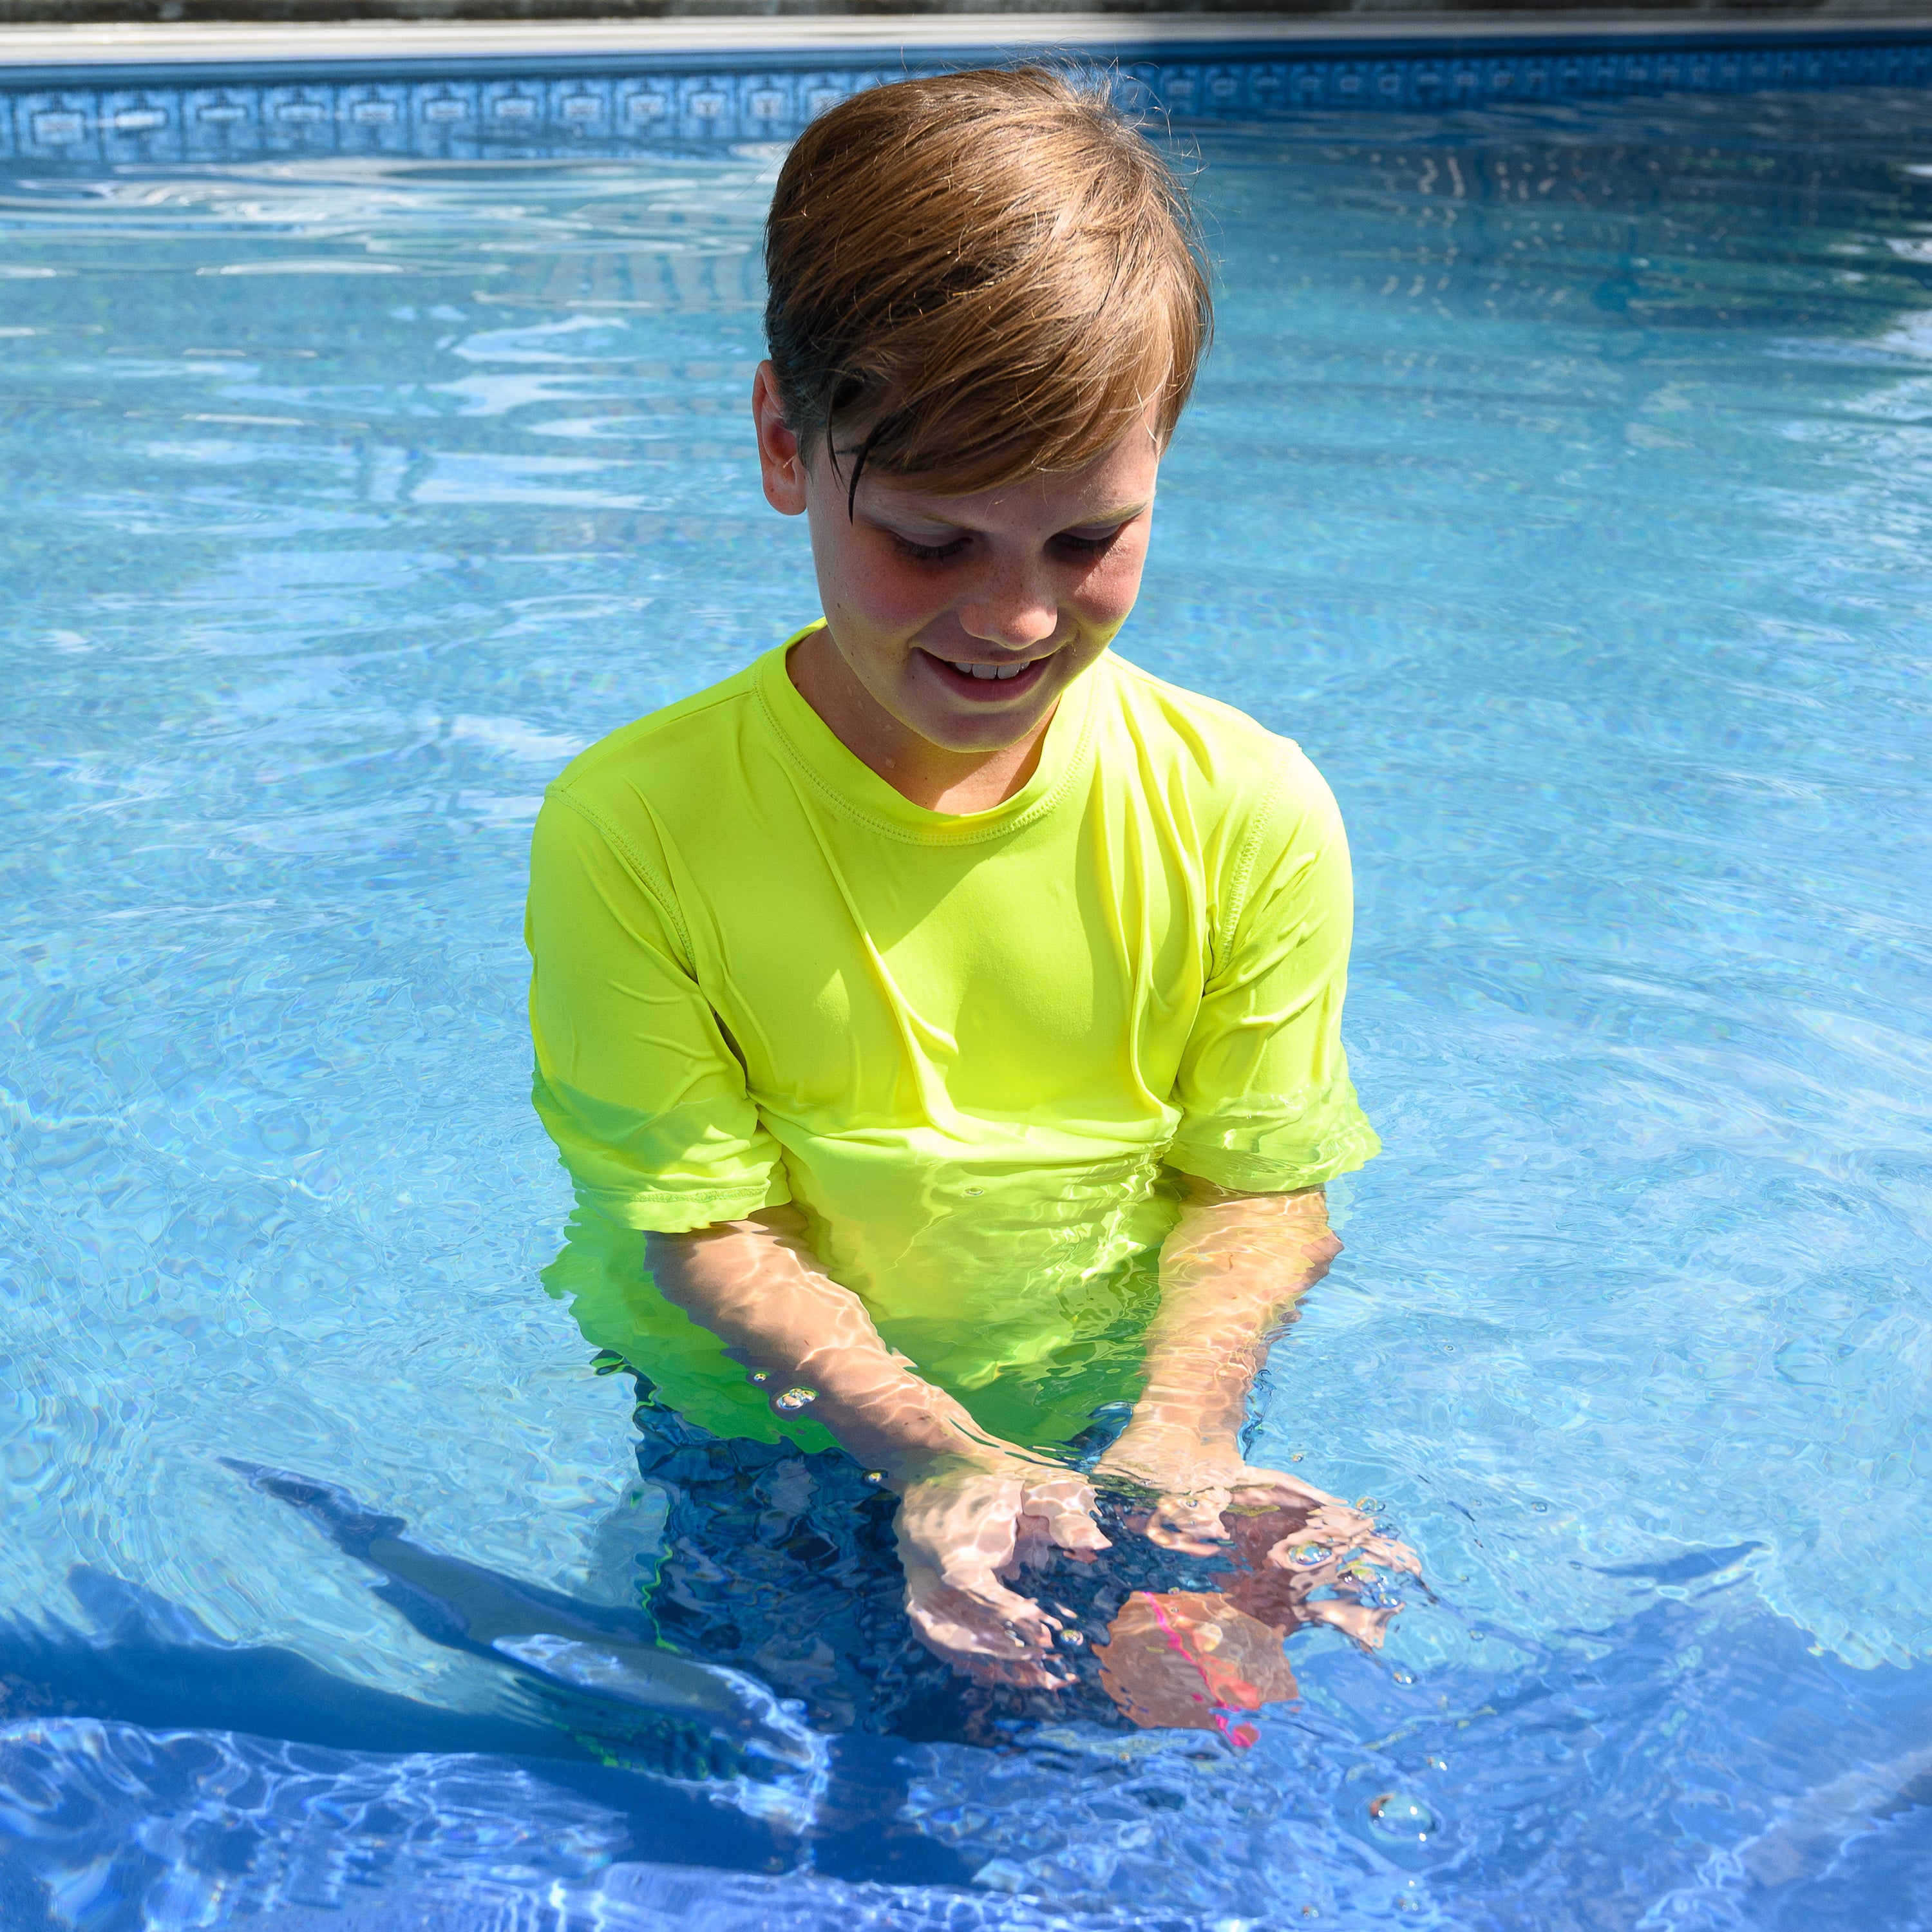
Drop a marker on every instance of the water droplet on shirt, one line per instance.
(793, 1400)
(1400, 1817)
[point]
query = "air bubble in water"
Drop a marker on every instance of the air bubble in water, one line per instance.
(1400, 1817)
(875, 1475)
(1309, 1554)
(793, 1400)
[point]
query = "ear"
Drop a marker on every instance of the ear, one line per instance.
(780, 461)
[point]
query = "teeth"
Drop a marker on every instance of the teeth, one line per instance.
(987, 672)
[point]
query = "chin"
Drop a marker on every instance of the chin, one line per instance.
(964, 734)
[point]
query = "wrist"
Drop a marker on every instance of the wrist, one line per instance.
(923, 1435)
(1181, 1425)
(1161, 1450)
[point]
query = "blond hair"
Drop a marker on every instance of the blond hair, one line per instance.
(978, 276)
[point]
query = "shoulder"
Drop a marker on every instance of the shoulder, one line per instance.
(650, 787)
(657, 755)
(686, 772)
(1221, 755)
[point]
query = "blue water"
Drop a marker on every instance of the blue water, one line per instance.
(1562, 481)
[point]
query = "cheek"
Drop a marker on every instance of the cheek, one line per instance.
(1107, 593)
(890, 593)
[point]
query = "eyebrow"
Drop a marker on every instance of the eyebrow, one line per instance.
(1107, 520)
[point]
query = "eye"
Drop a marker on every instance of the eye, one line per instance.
(927, 552)
(1073, 543)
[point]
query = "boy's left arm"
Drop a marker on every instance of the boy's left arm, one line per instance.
(1232, 1273)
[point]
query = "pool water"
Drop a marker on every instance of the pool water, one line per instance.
(1562, 481)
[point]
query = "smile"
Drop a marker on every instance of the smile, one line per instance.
(1002, 672)
(984, 682)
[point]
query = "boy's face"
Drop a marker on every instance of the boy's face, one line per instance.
(927, 596)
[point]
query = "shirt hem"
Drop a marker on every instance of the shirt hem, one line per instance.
(683, 1213)
(1254, 1174)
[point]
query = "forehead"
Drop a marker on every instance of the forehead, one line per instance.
(1116, 483)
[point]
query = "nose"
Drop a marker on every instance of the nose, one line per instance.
(1013, 609)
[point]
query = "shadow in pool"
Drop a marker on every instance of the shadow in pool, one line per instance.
(152, 1666)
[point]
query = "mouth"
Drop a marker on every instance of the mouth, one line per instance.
(990, 681)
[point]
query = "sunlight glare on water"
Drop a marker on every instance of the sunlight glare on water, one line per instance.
(1560, 481)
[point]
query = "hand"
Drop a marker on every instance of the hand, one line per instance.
(1290, 1539)
(1286, 1559)
(964, 1526)
(1196, 1484)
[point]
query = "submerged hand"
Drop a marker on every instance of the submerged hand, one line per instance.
(1287, 1559)
(1287, 1538)
(1194, 1485)
(1198, 1488)
(963, 1527)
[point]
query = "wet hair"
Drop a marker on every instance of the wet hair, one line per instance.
(978, 276)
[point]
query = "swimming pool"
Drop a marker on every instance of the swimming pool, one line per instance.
(1560, 481)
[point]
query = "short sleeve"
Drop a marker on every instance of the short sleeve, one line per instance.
(1266, 1101)
(635, 1080)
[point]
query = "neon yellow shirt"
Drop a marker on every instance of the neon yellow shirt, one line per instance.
(964, 1045)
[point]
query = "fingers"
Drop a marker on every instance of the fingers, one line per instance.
(1275, 1489)
(990, 1633)
(964, 1531)
(1064, 1506)
(1345, 1532)
(957, 1536)
(1190, 1524)
(1366, 1626)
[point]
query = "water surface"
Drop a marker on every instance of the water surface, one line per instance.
(1560, 481)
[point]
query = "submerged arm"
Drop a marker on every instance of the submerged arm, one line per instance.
(967, 1500)
(755, 1285)
(1231, 1273)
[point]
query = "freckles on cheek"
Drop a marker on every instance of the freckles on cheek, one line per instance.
(892, 597)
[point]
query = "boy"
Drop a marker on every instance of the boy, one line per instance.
(953, 1009)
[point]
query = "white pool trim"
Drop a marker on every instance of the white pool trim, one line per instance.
(405, 43)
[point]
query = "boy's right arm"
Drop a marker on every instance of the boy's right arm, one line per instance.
(969, 1503)
(617, 1014)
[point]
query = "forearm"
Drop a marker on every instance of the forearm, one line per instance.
(1232, 1272)
(756, 1286)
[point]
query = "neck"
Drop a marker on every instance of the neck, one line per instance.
(929, 774)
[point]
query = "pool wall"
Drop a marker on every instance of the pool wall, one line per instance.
(134, 95)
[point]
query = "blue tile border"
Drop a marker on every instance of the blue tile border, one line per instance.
(687, 102)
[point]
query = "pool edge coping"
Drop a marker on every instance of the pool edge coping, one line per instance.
(549, 45)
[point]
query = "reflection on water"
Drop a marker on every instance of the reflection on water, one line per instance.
(1560, 483)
